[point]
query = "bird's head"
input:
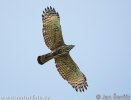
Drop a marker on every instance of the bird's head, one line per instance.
(63, 50)
(69, 47)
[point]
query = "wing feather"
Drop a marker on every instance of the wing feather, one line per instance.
(71, 72)
(52, 32)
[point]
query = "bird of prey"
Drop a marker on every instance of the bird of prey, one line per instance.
(65, 65)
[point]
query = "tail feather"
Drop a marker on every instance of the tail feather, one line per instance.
(39, 60)
(44, 58)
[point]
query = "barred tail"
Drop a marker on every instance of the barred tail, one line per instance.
(44, 58)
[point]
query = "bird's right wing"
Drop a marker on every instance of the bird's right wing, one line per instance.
(70, 72)
(52, 32)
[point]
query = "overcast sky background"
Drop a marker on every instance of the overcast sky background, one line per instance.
(101, 31)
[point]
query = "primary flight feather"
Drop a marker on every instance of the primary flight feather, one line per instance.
(65, 65)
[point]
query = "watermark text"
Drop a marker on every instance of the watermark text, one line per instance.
(113, 97)
(34, 97)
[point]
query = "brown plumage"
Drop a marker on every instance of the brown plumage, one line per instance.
(65, 65)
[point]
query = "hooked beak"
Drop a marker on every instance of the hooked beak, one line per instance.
(72, 46)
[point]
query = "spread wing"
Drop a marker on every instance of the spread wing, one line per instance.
(70, 72)
(52, 29)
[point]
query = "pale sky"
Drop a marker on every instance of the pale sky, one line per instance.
(100, 31)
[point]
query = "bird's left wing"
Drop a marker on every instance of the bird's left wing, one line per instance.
(52, 32)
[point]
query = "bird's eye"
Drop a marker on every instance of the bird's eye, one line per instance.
(59, 51)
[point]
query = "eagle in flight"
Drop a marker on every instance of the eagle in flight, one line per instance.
(65, 65)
